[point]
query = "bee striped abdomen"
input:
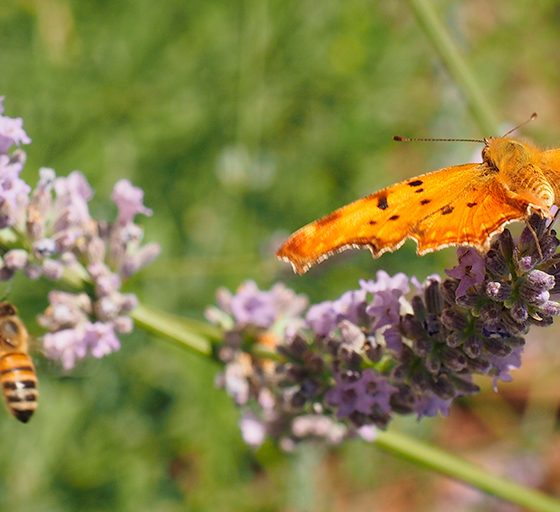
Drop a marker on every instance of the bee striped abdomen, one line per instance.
(19, 384)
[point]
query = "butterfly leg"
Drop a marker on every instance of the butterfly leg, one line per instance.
(536, 238)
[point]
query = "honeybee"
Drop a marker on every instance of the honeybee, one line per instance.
(17, 372)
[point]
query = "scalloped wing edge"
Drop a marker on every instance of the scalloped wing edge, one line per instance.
(303, 268)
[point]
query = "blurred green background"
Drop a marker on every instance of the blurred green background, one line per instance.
(243, 120)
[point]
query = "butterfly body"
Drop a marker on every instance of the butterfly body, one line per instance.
(460, 205)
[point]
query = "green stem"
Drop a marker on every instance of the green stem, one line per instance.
(458, 469)
(455, 64)
(190, 334)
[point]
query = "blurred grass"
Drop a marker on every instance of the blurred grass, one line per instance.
(242, 121)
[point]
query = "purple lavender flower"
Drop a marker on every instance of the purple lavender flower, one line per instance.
(322, 318)
(11, 131)
(66, 346)
(470, 271)
(15, 259)
(326, 316)
(129, 201)
(503, 365)
(252, 429)
(251, 306)
(432, 405)
(365, 394)
(235, 381)
(136, 260)
(52, 269)
(357, 361)
(73, 336)
(100, 338)
(13, 191)
(386, 306)
(319, 426)
(72, 223)
(59, 235)
(66, 310)
(123, 237)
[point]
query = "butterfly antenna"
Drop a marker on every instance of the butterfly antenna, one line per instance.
(515, 128)
(399, 138)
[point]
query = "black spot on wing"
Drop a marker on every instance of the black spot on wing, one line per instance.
(394, 217)
(419, 190)
(446, 210)
(470, 205)
(382, 203)
(415, 183)
(425, 201)
(372, 222)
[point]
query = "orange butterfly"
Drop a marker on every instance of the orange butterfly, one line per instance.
(458, 205)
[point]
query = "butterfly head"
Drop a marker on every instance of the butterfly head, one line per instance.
(504, 152)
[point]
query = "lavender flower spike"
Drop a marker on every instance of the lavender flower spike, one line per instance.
(349, 365)
(57, 234)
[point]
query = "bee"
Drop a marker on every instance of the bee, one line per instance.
(17, 372)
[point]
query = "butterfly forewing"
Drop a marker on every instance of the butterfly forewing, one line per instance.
(462, 204)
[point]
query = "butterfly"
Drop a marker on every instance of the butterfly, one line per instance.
(459, 205)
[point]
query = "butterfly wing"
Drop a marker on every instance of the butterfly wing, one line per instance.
(458, 205)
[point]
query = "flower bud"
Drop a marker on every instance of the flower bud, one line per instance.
(498, 291)
(453, 359)
(449, 290)
(373, 351)
(432, 363)
(454, 339)
(418, 308)
(519, 313)
(412, 328)
(551, 308)
(15, 259)
(496, 264)
(434, 298)
(497, 347)
(505, 243)
(52, 269)
(473, 347)
(534, 284)
(526, 263)
(454, 320)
